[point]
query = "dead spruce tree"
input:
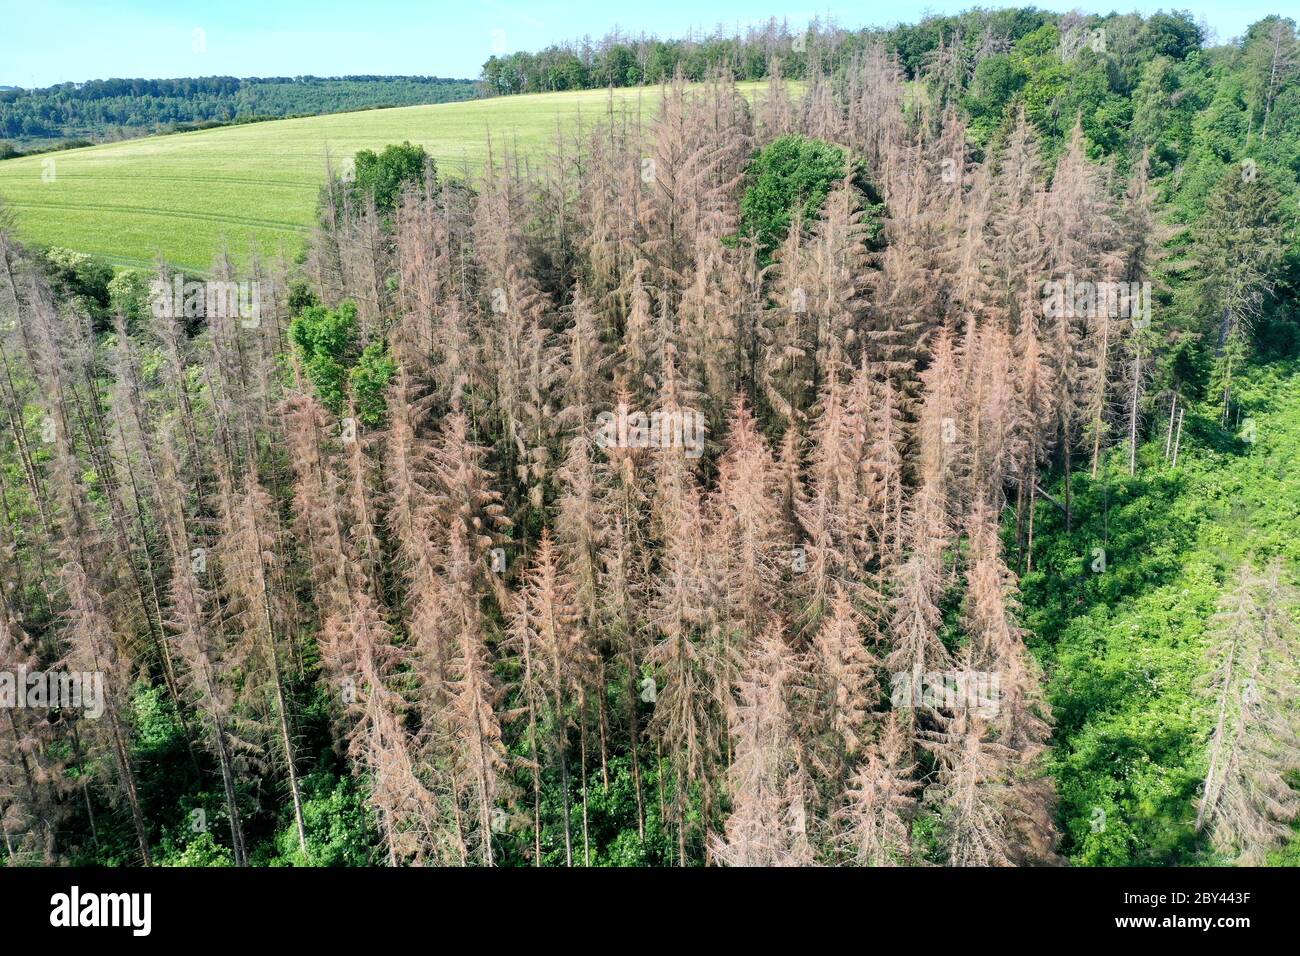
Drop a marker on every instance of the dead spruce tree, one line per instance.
(547, 636)
(453, 659)
(747, 531)
(99, 617)
(30, 796)
(258, 602)
(201, 639)
(768, 823)
(847, 689)
(1248, 804)
(873, 825)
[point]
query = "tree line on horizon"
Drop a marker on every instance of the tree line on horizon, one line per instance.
(101, 110)
(620, 59)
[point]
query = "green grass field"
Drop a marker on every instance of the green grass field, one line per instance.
(257, 185)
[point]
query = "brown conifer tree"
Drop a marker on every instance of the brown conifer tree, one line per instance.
(873, 826)
(768, 823)
(546, 635)
(1248, 804)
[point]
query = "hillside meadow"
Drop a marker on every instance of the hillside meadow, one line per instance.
(179, 195)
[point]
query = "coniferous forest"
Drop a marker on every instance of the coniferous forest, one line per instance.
(894, 466)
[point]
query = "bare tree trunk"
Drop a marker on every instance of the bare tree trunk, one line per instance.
(1169, 432)
(1029, 547)
(232, 803)
(582, 746)
(13, 410)
(485, 811)
(227, 777)
(536, 761)
(563, 743)
(1178, 438)
(1020, 522)
(634, 735)
(151, 577)
(602, 724)
(461, 846)
(1103, 374)
(122, 754)
(659, 779)
(388, 837)
(85, 787)
(1068, 466)
(282, 712)
(679, 808)
(287, 743)
(1212, 772)
(1133, 411)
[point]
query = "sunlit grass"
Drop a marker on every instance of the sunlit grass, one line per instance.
(255, 186)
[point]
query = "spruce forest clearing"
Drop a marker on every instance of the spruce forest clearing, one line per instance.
(255, 186)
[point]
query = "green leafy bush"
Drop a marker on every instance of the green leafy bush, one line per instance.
(368, 378)
(326, 340)
(788, 180)
(385, 173)
(339, 824)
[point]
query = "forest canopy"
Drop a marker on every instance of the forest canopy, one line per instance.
(98, 110)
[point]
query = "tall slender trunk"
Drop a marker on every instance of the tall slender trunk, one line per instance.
(281, 707)
(485, 809)
(1169, 432)
(151, 578)
(1178, 437)
(634, 734)
(122, 754)
(388, 837)
(1029, 546)
(1133, 411)
(85, 787)
(562, 745)
(13, 410)
(659, 780)
(679, 809)
(227, 776)
(1207, 799)
(1099, 416)
(461, 847)
(271, 649)
(1067, 457)
(282, 713)
(582, 748)
(602, 724)
(232, 802)
(480, 757)
(536, 757)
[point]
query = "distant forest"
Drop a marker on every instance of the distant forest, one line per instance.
(622, 60)
(116, 109)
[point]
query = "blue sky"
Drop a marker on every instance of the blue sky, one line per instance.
(51, 41)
